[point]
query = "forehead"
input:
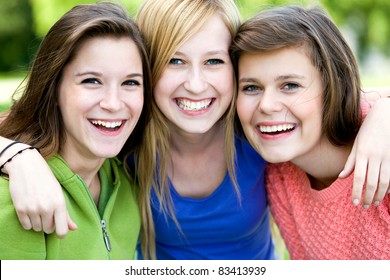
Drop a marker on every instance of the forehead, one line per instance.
(213, 34)
(284, 56)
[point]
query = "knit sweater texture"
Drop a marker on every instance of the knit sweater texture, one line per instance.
(118, 208)
(325, 224)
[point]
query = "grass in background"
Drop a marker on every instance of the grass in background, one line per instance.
(280, 247)
(3, 107)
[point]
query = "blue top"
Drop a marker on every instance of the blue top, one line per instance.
(218, 226)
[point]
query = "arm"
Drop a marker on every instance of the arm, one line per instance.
(36, 194)
(370, 156)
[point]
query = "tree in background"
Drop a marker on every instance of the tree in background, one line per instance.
(368, 20)
(46, 12)
(23, 23)
(16, 35)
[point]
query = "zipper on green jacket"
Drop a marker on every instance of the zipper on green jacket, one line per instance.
(105, 235)
(102, 222)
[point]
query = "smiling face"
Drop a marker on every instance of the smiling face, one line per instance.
(196, 87)
(280, 103)
(100, 98)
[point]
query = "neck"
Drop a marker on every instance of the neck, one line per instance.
(324, 164)
(86, 168)
(191, 143)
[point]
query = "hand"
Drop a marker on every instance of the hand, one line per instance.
(371, 156)
(37, 195)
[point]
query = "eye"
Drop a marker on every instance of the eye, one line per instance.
(176, 61)
(91, 81)
(290, 86)
(131, 83)
(250, 89)
(214, 61)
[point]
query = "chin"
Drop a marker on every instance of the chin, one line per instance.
(274, 157)
(106, 154)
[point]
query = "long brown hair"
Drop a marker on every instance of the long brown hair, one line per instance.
(35, 118)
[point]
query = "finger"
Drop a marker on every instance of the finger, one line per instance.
(372, 182)
(359, 179)
(61, 223)
(36, 223)
(349, 165)
(71, 225)
(384, 182)
(24, 220)
(48, 225)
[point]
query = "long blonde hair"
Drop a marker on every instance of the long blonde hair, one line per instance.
(166, 25)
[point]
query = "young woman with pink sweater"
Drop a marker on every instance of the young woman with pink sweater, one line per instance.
(299, 105)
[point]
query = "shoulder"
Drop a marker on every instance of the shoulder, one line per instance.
(282, 168)
(114, 169)
(15, 241)
(246, 151)
(249, 164)
(279, 174)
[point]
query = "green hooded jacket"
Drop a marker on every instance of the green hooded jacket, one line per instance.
(109, 231)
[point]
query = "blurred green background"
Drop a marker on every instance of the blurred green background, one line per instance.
(365, 23)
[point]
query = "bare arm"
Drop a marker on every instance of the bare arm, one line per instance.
(36, 193)
(370, 156)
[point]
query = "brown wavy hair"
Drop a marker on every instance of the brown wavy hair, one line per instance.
(293, 26)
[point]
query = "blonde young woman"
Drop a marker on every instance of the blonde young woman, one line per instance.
(208, 199)
(205, 185)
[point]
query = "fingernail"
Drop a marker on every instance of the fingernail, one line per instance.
(355, 202)
(366, 206)
(376, 203)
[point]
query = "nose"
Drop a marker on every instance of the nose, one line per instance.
(196, 81)
(111, 99)
(270, 102)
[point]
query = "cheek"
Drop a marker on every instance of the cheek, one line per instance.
(164, 88)
(70, 107)
(135, 102)
(224, 82)
(243, 110)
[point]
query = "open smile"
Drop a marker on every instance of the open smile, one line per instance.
(106, 125)
(190, 105)
(276, 129)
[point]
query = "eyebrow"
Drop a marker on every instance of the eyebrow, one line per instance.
(207, 53)
(289, 76)
(278, 78)
(132, 75)
(248, 80)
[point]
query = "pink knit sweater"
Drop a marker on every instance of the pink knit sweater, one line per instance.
(325, 224)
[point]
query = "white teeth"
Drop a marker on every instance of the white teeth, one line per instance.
(107, 124)
(276, 128)
(193, 106)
